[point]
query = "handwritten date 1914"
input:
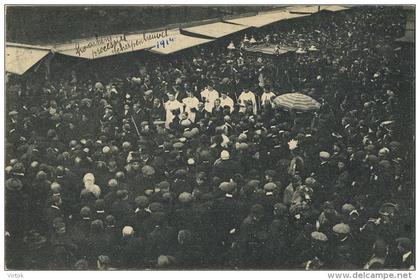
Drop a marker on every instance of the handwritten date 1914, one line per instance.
(165, 42)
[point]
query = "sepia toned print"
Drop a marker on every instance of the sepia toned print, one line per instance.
(209, 138)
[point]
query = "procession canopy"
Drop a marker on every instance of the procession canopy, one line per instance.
(263, 19)
(20, 58)
(215, 30)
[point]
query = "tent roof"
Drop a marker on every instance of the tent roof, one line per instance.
(216, 30)
(114, 44)
(334, 8)
(20, 58)
(305, 10)
(179, 42)
(264, 18)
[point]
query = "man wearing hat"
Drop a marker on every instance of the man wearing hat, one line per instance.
(316, 256)
(157, 112)
(253, 234)
(97, 242)
(53, 210)
(188, 254)
(131, 249)
(226, 221)
(140, 217)
(295, 183)
(161, 239)
(224, 167)
(186, 216)
(201, 113)
(342, 235)
(122, 207)
(406, 255)
(325, 171)
(147, 100)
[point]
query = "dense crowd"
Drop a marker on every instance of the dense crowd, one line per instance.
(188, 164)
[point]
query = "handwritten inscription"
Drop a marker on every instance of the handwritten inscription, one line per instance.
(116, 44)
(165, 42)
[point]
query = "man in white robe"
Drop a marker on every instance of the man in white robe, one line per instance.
(225, 100)
(170, 106)
(208, 96)
(267, 96)
(245, 98)
(191, 105)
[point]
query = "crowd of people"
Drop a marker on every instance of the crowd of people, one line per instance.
(189, 164)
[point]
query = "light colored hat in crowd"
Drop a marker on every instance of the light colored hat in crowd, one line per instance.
(112, 183)
(242, 146)
(226, 187)
(324, 155)
(55, 186)
(347, 208)
(242, 137)
(89, 177)
(95, 190)
(178, 145)
(185, 197)
(148, 170)
(313, 49)
(127, 231)
(319, 236)
(383, 152)
(224, 155)
(14, 184)
(270, 186)
(126, 145)
(106, 149)
(341, 228)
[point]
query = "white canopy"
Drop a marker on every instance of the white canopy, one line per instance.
(115, 44)
(215, 30)
(177, 43)
(265, 18)
(20, 58)
(305, 10)
(334, 8)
